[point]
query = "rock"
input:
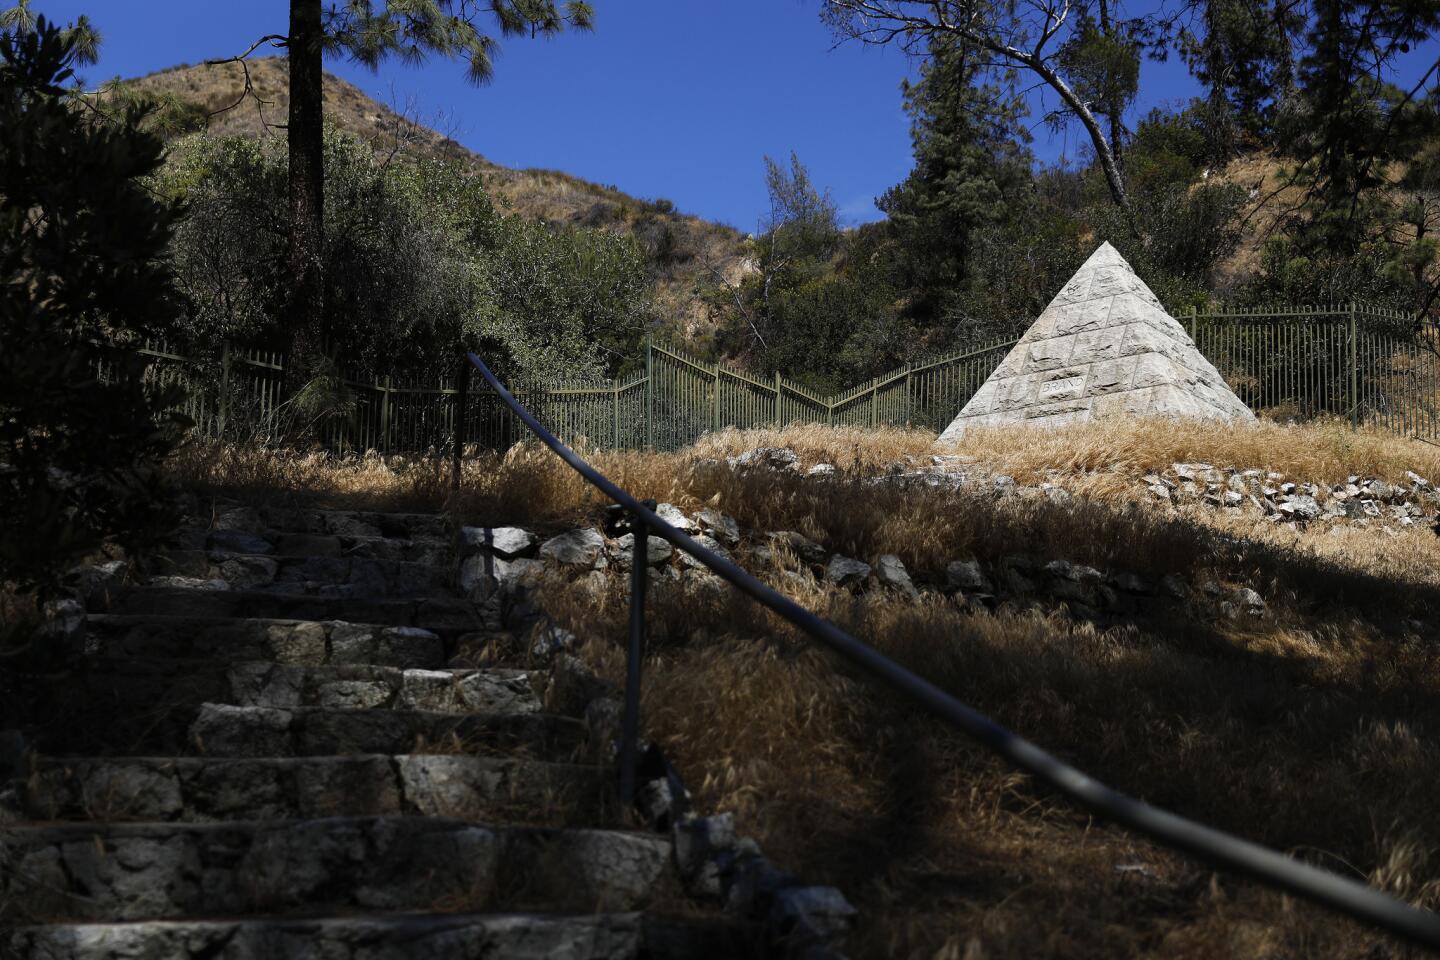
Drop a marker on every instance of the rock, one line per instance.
(549, 639)
(1160, 491)
(237, 541)
(1058, 495)
(581, 547)
(672, 515)
(1250, 601)
(846, 572)
(657, 551)
(1417, 480)
(821, 470)
(1005, 486)
(1203, 472)
(776, 458)
(244, 572)
(891, 573)
(95, 584)
(1300, 507)
(698, 839)
(1287, 488)
(1078, 573)
(483, 576)
(967, 575)
(189, 583)
(64, 624)
(709, 543)
(1174, 586)
(722, 527)
(811, 915)
(1131, 583)
(800, 545)
(238, 518)
(499, 541)
(1233, 498)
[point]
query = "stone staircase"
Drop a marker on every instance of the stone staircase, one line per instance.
(294, 740)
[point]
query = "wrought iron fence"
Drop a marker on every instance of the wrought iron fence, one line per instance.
(1371, 366)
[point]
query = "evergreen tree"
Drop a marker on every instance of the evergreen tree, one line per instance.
(972, 172)
(83, 279)
(1244, 58)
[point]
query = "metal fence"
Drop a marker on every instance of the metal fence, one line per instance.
(1371, 366)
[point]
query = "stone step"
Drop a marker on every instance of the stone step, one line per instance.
(589, 936)
(182, 683)
(335, 576)
(448, 615)
(119, 705)
(283, 640)
(427, 550)
(161, 789)
(221, 730)
(125, 872)
(350, 523)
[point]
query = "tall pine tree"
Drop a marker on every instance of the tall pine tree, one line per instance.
(971, 171)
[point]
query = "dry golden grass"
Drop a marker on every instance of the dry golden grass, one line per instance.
(1311, 730)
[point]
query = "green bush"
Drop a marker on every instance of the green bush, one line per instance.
(82, 281)
(417, 262)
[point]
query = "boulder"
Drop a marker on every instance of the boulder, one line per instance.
(1298, 506)
(721, 526)
(709, 543)
(846, 572)
(1250, 601)
(776, 458)
(657, 550)
(672, 515)
(581, 547)
(821, 470)
(967, 575)
(800, 545)
(499, 541)
(891, 573)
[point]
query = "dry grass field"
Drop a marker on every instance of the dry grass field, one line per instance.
(1311, 729)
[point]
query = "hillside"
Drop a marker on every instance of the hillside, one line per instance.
(688, 253)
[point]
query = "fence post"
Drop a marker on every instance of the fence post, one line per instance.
(616, 397)
(385, 416)
(1192, 318)
(224, 390)
(462, 395)
(874, 398)
(716, 417)
(649, 394)
(778, 424)
(1354, 371)
(909, 393)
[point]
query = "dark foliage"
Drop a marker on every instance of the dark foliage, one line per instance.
(82, 281)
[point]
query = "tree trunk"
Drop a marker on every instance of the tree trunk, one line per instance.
(1114, 107)
(307, 187)
(1103, 154)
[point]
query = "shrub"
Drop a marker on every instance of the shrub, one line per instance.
(82, 281)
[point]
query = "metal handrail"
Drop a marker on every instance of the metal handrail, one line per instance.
(1260, 863)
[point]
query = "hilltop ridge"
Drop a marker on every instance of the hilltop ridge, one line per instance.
(689, 255)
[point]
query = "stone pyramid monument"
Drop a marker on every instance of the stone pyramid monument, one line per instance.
(1104, 347)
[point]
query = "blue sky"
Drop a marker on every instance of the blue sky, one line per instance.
(667, 98)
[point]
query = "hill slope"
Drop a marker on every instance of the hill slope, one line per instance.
(688, 254)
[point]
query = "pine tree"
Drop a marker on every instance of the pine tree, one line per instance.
(1245, 60)
(971, 171)
(372, 33)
